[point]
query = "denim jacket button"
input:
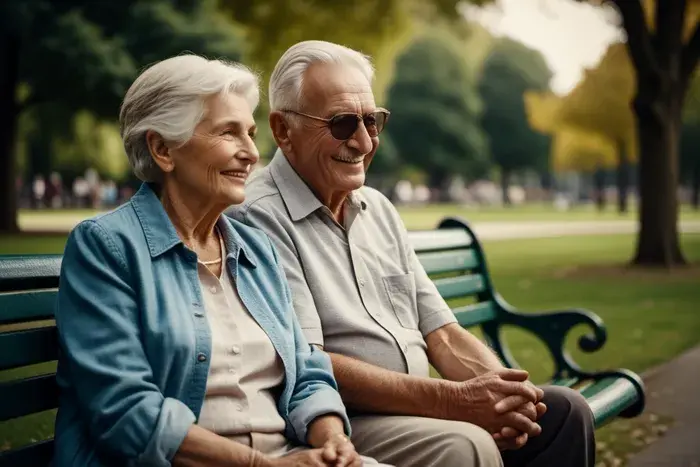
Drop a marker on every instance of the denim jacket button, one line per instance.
(201, 357)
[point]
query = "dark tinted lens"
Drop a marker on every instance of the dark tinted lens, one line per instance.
(374, 122)
(343, 126)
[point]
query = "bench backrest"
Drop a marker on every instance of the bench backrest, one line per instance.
(27, 338)
(451, 255)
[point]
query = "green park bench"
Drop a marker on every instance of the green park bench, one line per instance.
(451, 254)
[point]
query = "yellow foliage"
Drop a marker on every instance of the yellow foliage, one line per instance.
(601, 102)
(580, 150)
(692, 15)
(542, 110)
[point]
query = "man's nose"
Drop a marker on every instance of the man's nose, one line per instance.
(361, 140)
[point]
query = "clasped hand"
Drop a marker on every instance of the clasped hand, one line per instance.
(338, 451)
(504, 403)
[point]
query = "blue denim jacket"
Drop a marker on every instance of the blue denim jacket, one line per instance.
(135, 342)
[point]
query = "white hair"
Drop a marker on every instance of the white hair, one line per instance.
(287, 78)
(169, 99)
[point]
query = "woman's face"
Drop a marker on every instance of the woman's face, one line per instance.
(215, 163)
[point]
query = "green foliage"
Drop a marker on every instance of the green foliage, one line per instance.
(84, 54)
(435, 111)
(510, 71)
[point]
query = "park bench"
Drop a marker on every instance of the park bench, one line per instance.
(451, 254)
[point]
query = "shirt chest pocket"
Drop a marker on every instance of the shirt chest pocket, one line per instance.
(401, 290)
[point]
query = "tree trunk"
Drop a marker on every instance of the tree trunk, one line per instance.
(658, 116)
(9, 111)
(599, 187)
(505, 185)
(623, 179)
(695, 187)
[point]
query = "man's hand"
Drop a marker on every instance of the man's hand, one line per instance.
(509, 438)
(479, 401)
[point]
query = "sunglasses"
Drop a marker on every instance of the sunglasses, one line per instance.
(344, 125)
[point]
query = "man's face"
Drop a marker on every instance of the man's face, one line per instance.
(328, 164)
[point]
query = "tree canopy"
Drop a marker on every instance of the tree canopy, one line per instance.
(435, 112)
(510, 71)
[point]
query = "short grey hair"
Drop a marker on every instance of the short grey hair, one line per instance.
(287, 78)
(169, 99)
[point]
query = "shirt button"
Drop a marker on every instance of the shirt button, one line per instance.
(232, 371)
(235, 350)
(404, 347)
(198, 314)
(239, 408)
(362, 283)
(213, 289)
(201, 357)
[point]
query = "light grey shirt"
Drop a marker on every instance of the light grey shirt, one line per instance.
(358, 289)
(245, 370)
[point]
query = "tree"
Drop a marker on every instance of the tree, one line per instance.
(690, 159)
(82, 55)
(663, 40)
(435, 113)
(600, 104)
(511, 70)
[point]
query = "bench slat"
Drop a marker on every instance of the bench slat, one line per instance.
(37, 455)
(610, 396)
(443, 239)
(478, 313)
(23, 272)
(27, 306)
(21, 348)
(27, 396)
(449, 261)
(462, 286)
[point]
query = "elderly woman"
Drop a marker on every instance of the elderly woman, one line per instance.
(179, 344)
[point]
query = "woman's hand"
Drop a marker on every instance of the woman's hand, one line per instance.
(338, 451)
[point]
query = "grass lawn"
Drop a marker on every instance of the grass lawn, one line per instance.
(651, 316)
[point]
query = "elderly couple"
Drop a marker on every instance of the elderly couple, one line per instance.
(214, 322)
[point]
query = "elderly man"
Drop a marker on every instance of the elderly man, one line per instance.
(361, 294)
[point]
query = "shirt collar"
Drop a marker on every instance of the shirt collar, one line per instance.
(296, 194)
(160, 232)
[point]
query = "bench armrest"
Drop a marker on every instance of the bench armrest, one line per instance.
(552, 328)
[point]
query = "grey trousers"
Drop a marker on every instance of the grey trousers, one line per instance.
(276, 445)
(567, 439)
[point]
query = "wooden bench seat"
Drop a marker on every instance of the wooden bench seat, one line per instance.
(451, 254)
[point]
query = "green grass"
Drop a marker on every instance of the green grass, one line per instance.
(651, 316)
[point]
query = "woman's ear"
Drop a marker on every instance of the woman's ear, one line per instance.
(280, 130)
(159, 151)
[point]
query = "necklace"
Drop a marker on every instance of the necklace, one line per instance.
(221, 250)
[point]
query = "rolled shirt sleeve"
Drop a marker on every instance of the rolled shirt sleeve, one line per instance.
(101, 352)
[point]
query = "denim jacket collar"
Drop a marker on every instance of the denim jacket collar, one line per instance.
(160, 232)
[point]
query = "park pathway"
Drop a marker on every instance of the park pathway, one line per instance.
(673, 389)
(489, 230)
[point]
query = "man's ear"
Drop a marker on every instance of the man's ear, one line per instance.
(280, 130)
(159, 151)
